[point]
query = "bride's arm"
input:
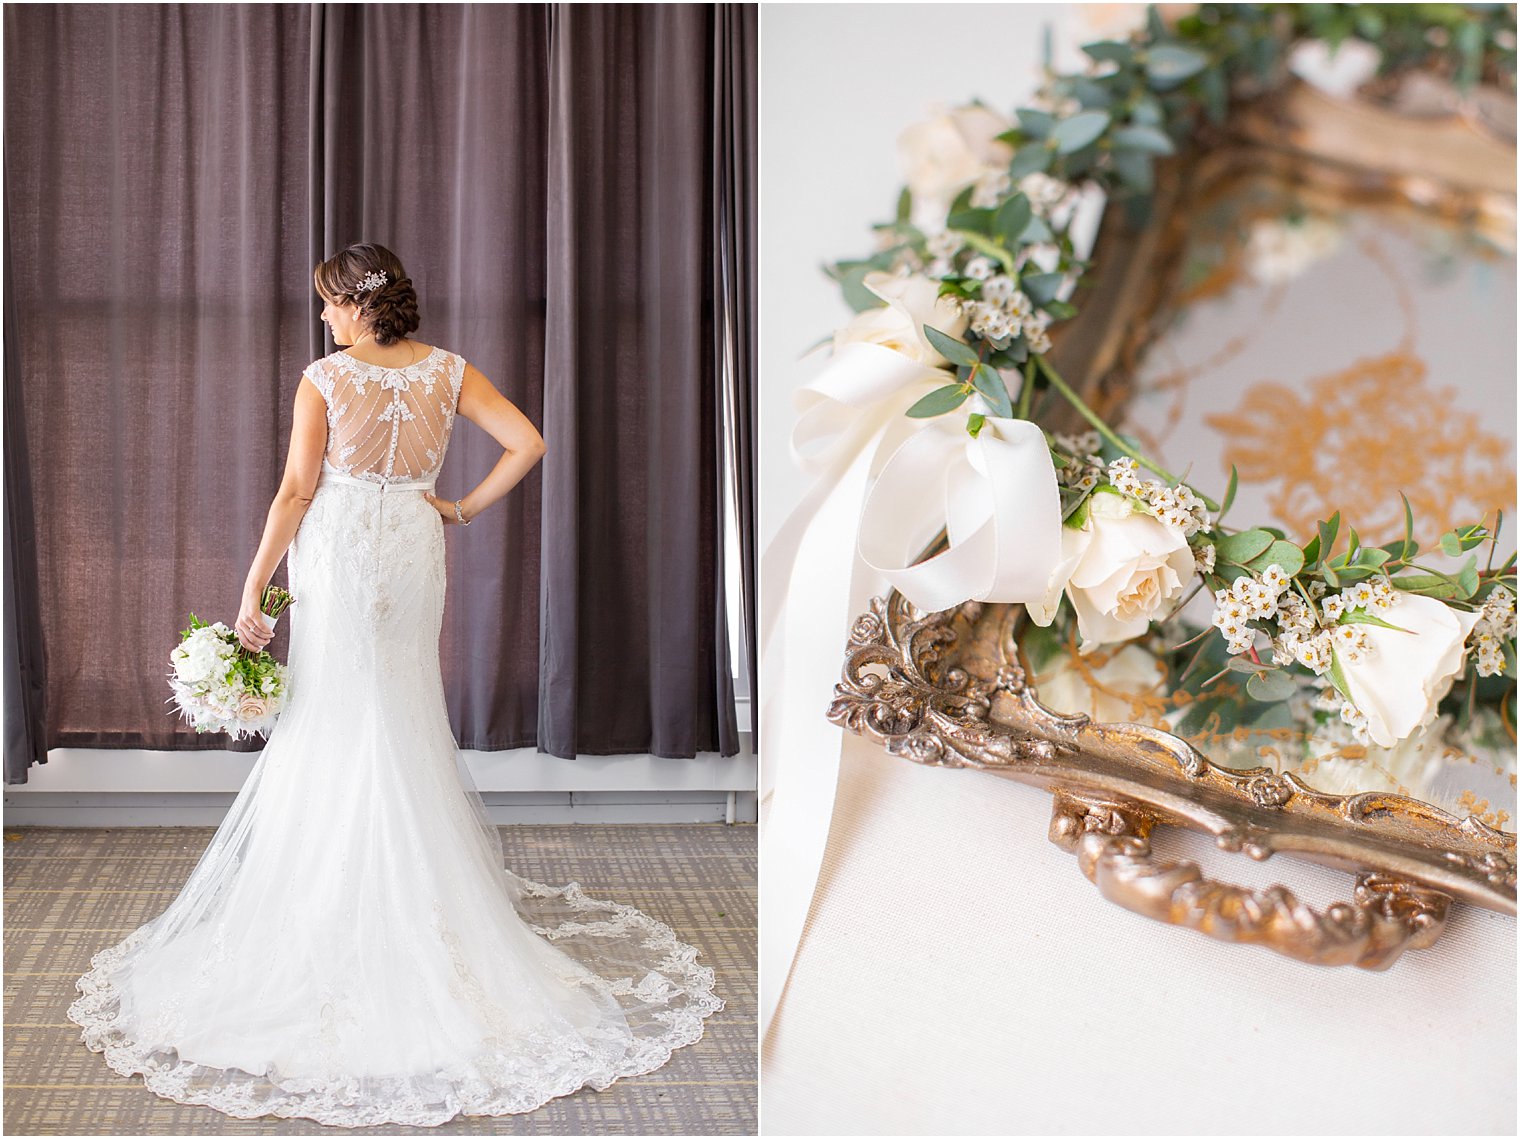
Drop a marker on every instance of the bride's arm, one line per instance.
(481, 403)
(303, 466)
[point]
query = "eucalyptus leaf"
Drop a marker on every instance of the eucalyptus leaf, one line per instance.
(956, 351)
(1216, 94)
(1240, 548)
(856, 295)
(1338, 675)
(1271, 686)
(1035, 231)
(1036, 124)
(993, 390)
(1349, 575)
(974, 423)
(1012, 219)
(1467, 579)
(971, 221)
(1134, 169)
(938, 402)
(1147, 112)
(1279, 553)
(1167, 65)
(1146, 138)
(1246, 664)
(1091, 93)
(1328, 531)
(1041, 287)
(1451, 545)
(1120, 53)
(1076, 132)
(1031, 158)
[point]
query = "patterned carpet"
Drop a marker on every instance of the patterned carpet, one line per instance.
(71, 892)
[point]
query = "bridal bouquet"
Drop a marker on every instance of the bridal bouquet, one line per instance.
(219, 686)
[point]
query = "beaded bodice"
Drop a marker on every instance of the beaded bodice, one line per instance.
(388, 424)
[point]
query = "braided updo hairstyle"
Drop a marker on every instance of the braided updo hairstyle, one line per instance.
(389, 311)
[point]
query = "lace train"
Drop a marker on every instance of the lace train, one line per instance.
(533, 1072)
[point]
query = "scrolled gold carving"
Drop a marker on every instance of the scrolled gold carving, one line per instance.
(1113, 849)
(949, 690)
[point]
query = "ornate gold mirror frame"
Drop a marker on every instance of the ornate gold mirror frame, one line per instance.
(951, 689)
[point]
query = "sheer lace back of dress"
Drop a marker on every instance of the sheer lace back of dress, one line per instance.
(388, 424)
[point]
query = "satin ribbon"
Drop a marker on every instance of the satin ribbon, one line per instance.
(995, 495)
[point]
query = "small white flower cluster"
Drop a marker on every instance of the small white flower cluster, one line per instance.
(1329, 699)
(1177, 506)
(990, 189)
(1045, 194)
(1249, 599)
(943, 246)
(1003, 311)
(1084, 446)
(1312, 640)
(1496, 625)
(1084, 469)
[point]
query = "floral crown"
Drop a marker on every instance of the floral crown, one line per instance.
(953, 314)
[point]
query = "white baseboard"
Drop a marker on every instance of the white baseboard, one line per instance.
(131, 787)
(207, 809)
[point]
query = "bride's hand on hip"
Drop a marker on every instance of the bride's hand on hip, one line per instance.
(252, 632)
(444, 507)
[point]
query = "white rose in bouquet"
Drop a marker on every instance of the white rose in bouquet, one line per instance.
(202, 656)
(945, 154)
(1123, 568)
(1403, 673)
(912, 302)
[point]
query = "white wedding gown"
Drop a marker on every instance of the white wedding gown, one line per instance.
(351, 948)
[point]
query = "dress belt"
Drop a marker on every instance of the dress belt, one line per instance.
(331, 475)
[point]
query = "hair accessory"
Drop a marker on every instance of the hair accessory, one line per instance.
(371, 281)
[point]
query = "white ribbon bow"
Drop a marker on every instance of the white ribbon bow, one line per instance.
(995, 495)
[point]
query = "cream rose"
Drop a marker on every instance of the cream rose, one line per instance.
(945, 154)
(1122, 570)
(251, 707)
(912, 302)
(1405, 672)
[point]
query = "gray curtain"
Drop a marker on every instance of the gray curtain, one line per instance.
(736, 146)
(172, 174)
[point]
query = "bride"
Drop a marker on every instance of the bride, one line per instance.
(351, 948)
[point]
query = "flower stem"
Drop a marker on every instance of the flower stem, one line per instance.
(1026, 392)
(1108, 432)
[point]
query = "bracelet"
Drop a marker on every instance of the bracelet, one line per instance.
(459, 512)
